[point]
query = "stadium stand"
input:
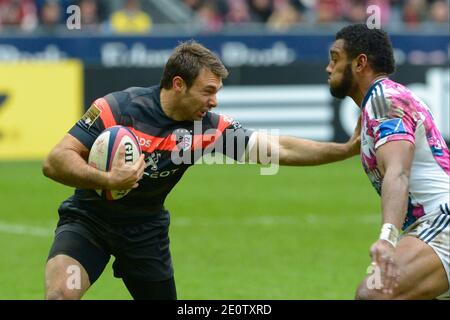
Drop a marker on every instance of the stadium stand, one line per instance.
(218, 15)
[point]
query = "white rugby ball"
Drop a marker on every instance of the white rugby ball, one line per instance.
(105, 153)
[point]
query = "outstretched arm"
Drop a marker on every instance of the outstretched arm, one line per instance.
(67, 164)
(302, 152)
(294, 151)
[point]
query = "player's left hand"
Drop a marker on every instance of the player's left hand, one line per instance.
(383, 255)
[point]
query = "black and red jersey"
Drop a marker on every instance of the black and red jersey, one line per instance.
(170, 147)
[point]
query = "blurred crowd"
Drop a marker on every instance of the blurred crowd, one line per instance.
(283, 14)
(136, 16)
(111, 16)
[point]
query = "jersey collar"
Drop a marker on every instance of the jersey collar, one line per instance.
(369, 92)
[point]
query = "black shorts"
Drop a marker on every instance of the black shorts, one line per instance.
(141, 250)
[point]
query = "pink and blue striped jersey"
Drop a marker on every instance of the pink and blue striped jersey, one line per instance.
(391, 112)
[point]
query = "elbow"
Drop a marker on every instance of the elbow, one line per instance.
(401, 175)
(47, 168)
(404, 177)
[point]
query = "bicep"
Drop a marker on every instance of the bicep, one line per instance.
(395, 155)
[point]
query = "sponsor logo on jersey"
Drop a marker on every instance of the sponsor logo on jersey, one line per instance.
(227, 118)
(152, 161)
(163, 174)
(392, 126)
(183, 138)
(436, 146)
(144, 142)
(236, 125)
(91, 115)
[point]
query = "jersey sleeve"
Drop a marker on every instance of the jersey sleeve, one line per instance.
(103, 113)
(393, 118)
(233, 139)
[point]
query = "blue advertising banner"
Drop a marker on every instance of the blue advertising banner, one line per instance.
(235, 51)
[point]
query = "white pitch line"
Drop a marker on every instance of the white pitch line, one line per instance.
(310, 219)
(22, 229)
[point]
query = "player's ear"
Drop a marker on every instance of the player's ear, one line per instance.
(360, 62)
(178, 84)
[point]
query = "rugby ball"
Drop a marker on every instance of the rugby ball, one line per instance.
(105, 153)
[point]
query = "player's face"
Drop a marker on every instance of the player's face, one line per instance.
(339, 69)
(201, 96)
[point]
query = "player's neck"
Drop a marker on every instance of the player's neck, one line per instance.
(168, 104)
(363, 86)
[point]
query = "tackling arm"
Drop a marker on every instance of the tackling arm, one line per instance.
(302, 152)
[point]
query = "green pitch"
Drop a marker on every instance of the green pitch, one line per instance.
(301, 234)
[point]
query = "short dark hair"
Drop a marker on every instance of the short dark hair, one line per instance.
(374, 43)
(187, 60)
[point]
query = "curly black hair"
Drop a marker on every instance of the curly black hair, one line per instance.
(374, 43)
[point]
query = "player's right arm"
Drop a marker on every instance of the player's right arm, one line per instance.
(394, 162)
(67, 164)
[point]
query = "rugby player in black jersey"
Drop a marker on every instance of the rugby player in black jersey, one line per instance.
(166, 120)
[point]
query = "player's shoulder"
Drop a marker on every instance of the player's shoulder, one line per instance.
(147, 97)
(221, 121)
(121, 100)
(386, 97)
(135, 92)
(391, 88)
